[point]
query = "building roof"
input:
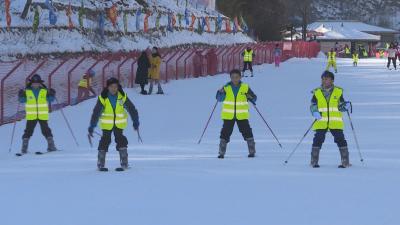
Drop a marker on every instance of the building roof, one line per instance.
(349, 24)
(348, 30)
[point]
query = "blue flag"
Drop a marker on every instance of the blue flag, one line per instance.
(52, 14)
(187, 20)
(138, 14)
(219, 22)
(101, 25)
(203, 23)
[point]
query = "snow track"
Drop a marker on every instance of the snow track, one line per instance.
(174, 181)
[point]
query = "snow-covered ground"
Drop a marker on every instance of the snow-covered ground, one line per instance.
(175, 181)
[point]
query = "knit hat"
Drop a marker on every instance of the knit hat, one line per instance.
(112, 80)
(328, 74)
(36, 79)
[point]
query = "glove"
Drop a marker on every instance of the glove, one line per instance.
(136, 125)
(222, 90)
(91, 130)
(21, 93)
(52, 92)
(345, 106)
(317, 115)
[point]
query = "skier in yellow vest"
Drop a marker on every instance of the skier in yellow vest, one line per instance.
(248, 56)
(37, 97)
(111, 108)
(234, 97)
(347, 51)
(355, 58)
(85, 86)
(332, 60)
(327, 105)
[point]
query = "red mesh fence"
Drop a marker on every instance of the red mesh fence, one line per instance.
(64, 74)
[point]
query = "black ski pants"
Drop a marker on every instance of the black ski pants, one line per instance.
(248, 66)
(390, 60)
(120, 139)
(30, 127)
(319, 138)
(244, 128)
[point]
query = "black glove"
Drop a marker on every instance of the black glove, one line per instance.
(136, 125)
(52, 92)
(91, 130)
(21, 93)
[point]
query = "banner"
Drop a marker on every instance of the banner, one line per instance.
(158, 21)
(187, 17)
(243, 24)
(101, 25)
(138, 14)
(218, 23)
(191, 28)
(81, 13)
(36, 20)
(113, 14)
(69, 13)
(125, 20)
(228, 25)
(208, 24)
(146, 22)
(52, 14)
(237, 25)
(8, 16)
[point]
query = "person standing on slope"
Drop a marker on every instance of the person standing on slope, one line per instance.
(154, 72)
(277, 55)
(234, 97)
(142, 72)
(332, 60)
(111, 109)
(355, 58)
(392, 56)
(85, 86)
(248, 56)
(37, 97)
(327, 105)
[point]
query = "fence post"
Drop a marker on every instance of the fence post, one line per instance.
(167, 62)
(2, 87)
(177, 62)
(187, 57)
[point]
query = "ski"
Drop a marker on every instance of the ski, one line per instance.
(43, 153)
(20, 154)
(104, 169)
(121, 169)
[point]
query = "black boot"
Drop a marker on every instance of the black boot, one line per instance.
(160, 90)
(315, 157)
(344, 155)
(123, 156)
(25, 144)
(51, 147)
(222, 148)
(150, 89)
(101, 160)
(252, 147)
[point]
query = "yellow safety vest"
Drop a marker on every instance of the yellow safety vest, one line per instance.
(331, 116)
(235, 107)
(248, 56)
(36, 109)
(347, 50)
(365, 53)
(355, 57)
(332, 56)
(111, 117)
(84, 82)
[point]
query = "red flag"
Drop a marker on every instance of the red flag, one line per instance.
(228, 25)
(173, 20)
(191, 28)
(113, 14)
(236, 21)
(208, 24)
(69, 13)
(146, 22)
(8, 16)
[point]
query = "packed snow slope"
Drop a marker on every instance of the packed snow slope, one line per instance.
(175, 181)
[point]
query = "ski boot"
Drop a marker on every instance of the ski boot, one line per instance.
(51, 147)
(101, 161)
(344, 155)
(25, 144)
(160, 90)
(252, 74)
(150, 89)
(315, 157)
(123, 157)
(252, 147)
(143, 92)
(222, 148)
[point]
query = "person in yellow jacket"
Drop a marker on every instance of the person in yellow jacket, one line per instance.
(355, 58)
(112, 109)
(332, 60)
(85, 86)
(234, 97)
(154, 71)
(37, 97)
(248, 55)
(327, 105)
(347, 50)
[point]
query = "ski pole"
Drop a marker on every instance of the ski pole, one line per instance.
(13, 130)
(139, 136)
(301, 141)
(266, 123)
(68, 125)
(208, 122)
(355, 136)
